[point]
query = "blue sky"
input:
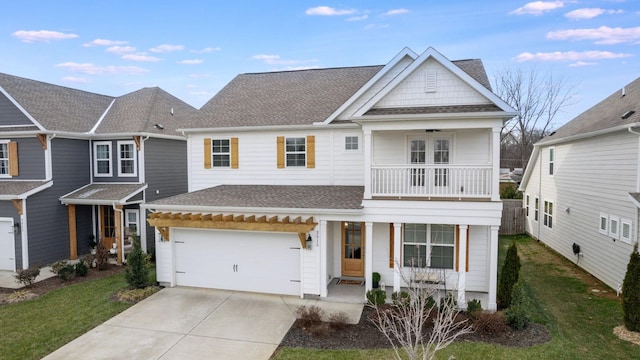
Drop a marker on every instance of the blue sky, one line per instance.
(193, 48)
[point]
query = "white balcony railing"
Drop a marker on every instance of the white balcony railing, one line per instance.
(441, 180)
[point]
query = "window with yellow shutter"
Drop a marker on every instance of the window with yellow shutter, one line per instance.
(220, 153)
(296, 151)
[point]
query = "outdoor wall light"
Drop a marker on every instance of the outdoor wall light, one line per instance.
(16, 228)
(309, 242)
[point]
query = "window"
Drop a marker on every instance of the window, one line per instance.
(604, 222)
(4, 158)
(418, 155)
(614, 226)
(127, 159)
(441, 156)
(102, 158)
(295, 151)
(221, 152)
(526, 206)
(536, 210)
(131, 222)
(548, 214)
(351, 143)
(429, 246)
(625, 232)
(552, 156)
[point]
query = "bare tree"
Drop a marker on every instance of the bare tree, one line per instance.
(538, 98)
(414, 324)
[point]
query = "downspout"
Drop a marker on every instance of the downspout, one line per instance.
(539, 192)
(142, 167)
(630, 129)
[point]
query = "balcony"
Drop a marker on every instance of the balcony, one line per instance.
(441, 180)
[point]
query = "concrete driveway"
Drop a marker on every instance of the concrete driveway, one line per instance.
(192, 323)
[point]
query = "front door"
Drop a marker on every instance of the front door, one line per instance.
(352, 249)
(7, 246)
(107, 226)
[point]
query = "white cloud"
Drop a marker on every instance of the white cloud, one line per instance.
(120, 49)
(276, 60)
(328, 11)
(206, 50)
(303, 67)
(358, 18)
(104, 42)
(91, 69)
(601, 35)
(538, 7)
(582, 63)
(570, 56)
(376, 26)
(590, 13)
(42, 35)
(191, 62)
(396, 12)
(140, 57)
(77, 80)
(167, 48)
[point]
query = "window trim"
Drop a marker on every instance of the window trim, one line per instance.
(120, 158)
(552, 160)
(614, 231)
(429, 246)
(357, 143)
(95, 159)
(548, 215)
(214, 153)
(287, 152)
(629, 223)
(536, 211)
(8, 159)
(605, 230)
(526, 205)
(127, 222)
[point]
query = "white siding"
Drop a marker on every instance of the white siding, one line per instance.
(164, 261)
(311, 269)
(478, 275)
(381, 252)
(451, 90)
(591, 176)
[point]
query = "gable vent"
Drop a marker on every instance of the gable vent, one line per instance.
(628, 114)
(430, 81)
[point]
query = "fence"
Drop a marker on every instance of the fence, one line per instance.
(513, 215)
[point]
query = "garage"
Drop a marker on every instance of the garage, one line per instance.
(267, 262)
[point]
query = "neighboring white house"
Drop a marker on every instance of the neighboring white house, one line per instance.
(582, 186)
(297, 178)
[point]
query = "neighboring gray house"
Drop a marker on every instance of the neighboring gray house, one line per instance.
(74, 164)
(582, 186)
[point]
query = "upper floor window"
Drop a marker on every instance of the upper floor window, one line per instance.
(295, 152)
(548, 214)
(536, 210)
(221, 152)
(127, 159)
(552, 158)
(351, 143)
(4, 158)
(526, 205)
(102, 158)
(429, 246)
(8, 158)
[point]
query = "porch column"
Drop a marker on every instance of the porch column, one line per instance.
(495, 161)
(493, 267)
(462, 266)
(118, 223)
(397, 242)
(368, 255)
(73, 237)
(368, 153)
(322, 227)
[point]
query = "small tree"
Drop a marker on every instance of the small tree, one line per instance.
(518, 313)
(631, 292)
(509, 275)
(137, 271)
(406, 324)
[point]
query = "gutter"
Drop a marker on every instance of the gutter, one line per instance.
(226, 209)
(315, 126)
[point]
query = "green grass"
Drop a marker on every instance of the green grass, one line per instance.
(33, 329)
(581, 323)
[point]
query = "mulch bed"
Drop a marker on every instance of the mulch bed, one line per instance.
(365, 335)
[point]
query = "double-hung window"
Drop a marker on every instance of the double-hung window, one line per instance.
(221, 152)
(526, 205)
(4, 158)
(548, 214)
(552, 159)
(127, 164)
(429, 246)
(536, 211)
(102, 158)
(441, 156)
(131, 222)
(295, 151)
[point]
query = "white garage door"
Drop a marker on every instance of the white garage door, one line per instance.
(266, 262)
(7, 246)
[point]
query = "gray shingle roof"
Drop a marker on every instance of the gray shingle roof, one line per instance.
(57, 108)
(141, 110)
(434, 109)
(17, 188)
(101, 193)
(605, 114)
(475, 69)
(271, 196)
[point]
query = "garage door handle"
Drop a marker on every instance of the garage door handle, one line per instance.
(179, 242)
(180, 272)
(295, 281)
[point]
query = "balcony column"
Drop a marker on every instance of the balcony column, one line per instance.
(397, 242)
(495, 162)
(493, 267)
(323, 257)
(462, 266)
(368, 154)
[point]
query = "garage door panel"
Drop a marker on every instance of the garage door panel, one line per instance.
(238, 260)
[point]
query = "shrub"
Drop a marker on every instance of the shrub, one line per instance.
(55, 268)
(339, 320)
(518, 313)
(401, 298)
(102, 257)
(449, 300)
(510, 192)
(492, 323)
(81, 268)
(631, 292)
(89, 260)
(26, 277)
(135, 295)
(137, 271)
(509, 275)
(375, 277)
(320, 329)
(66, 272)
(20, 295)
(473, 307)
(309, 315)
(376, 297)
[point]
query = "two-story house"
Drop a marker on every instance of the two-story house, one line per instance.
(76, 165)
(300, 178)
(582, 186)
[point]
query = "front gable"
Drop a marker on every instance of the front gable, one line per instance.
(12, 114)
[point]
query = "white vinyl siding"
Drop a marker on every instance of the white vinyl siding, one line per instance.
(102, 157)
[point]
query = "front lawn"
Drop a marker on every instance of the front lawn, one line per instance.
(35, 328)
(581, 321)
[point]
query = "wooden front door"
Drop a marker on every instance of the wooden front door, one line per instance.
(352, 249)
(107, 226)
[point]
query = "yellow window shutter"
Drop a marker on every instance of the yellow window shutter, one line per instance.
(280, 143)
(391, 246)
(13, 158)
(234, 152)
(207, 153)
(311, 151)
